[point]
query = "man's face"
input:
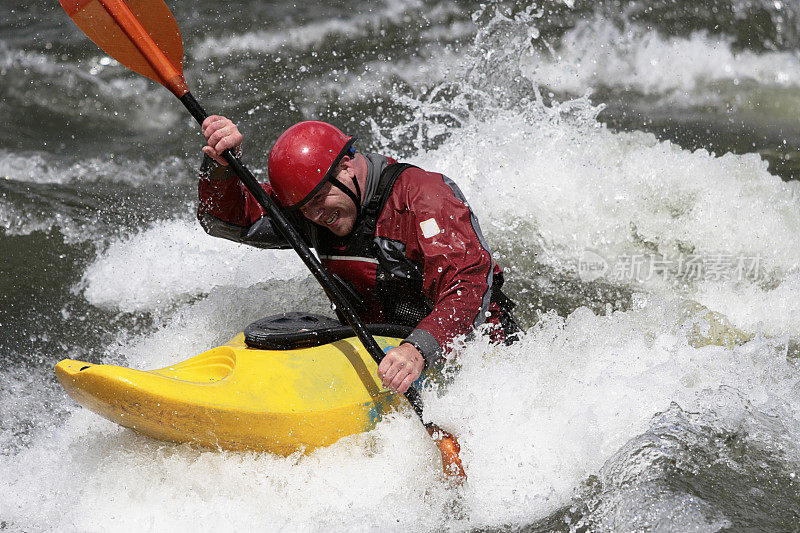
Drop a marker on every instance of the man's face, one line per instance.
(331, 208)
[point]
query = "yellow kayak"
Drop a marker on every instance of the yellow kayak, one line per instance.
(235, 397)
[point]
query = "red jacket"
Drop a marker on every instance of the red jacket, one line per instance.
(427, 227)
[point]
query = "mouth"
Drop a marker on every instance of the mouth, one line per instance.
(332, 220)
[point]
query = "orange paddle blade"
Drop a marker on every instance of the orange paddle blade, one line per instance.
(450, 449)
(140, 34)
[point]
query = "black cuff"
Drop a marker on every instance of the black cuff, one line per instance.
(211, 170)
(426, 344)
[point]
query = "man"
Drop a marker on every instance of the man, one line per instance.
(401, 241)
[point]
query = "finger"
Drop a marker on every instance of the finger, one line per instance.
(217, 132)
(387, 379)
(225, 138)
(212, 128)
(388, 360)
(386, 363)
(390, 373)
(210, 121)
(406, 383)
(404, 368)
(207, 122)
(221, 128)
(210, 152)
(398, 379)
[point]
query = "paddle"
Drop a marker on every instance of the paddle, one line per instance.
(143, 36)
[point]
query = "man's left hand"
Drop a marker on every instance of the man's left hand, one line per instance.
(401, 367)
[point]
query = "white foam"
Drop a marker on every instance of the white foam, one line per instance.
(772, 310)
(537, 418)
(533, 419)
(133, 101)
(43, 167)
(598, 52)
(307, 36)
(15, 222)
(216, 319)
(559, 186)
(174, 260)
(34, 167)
(426, 69)
(90, 474)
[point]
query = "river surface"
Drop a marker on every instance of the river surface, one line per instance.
(634, 165)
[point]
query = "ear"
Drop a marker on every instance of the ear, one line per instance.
(347, 163)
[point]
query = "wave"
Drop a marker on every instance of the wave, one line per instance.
(175, 260)
(729, 455)
(96, 92)
(569, 186)
(574, 390)
(306, 36)
(561, 424)
(86, 200)
(534, 420)
(42, 167)
(314, 34)
(601, 53)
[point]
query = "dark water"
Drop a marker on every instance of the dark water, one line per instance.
(629, 130)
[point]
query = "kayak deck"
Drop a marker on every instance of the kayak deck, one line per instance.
(234, 397)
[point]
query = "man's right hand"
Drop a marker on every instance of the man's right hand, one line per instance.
(221, 134)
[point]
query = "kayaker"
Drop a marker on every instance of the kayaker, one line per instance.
(402, 242)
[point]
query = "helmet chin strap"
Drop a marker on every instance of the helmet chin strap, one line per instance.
(355, 196)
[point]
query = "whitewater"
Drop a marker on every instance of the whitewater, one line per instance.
(642, 395)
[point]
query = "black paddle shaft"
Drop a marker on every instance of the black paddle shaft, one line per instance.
(293, 238)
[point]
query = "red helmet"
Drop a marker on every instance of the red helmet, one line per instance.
(304, 158)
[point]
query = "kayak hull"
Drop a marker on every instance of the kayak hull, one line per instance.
(238, 398)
